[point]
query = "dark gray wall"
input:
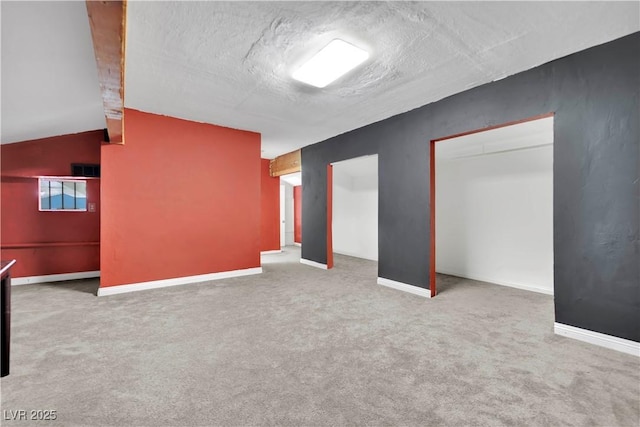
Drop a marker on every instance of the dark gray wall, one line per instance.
(595, 97)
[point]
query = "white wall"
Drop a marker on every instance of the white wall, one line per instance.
(282, 215)
(494, 217)
(289, 181)
(288, 214)
(355, 208)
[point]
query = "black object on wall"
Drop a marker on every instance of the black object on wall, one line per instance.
(594, 95)
(86, 170)
(5, 325)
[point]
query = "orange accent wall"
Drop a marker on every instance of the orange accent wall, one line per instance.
(46, 243)
(329, 216)
(297, 214)
(179, 199)
(270, 209)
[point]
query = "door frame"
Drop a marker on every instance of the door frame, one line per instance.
(432, 188)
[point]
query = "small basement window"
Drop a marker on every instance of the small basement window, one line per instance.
(63, 194)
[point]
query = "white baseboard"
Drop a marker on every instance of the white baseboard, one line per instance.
(112, 290)
(531, 288)
(313, 263)
(354, 255)
(603, 340)
(297, 244)
(275, 251)
(416, 290)
(16, 281)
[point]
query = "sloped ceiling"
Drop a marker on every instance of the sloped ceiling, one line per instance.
(49, 76)
(229, 63)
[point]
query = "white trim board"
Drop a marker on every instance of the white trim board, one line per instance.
(416, 290)
(530, 288)
(313, 263)
(297, 244)
(596, 338)
(274, 251)
(17, 281)
(154, 284)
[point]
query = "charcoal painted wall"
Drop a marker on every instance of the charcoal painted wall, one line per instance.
(594, 95)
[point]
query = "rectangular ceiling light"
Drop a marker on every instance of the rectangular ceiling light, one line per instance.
(334, 60)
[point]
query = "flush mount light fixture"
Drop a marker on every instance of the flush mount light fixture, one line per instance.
(334, 60)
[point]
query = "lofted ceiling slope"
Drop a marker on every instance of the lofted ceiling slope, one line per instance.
(49, 77)
(229, 63)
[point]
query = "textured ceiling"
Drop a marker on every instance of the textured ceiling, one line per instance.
(229, 63)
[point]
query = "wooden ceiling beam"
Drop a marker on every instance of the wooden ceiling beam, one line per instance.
(286, 163)
(107, 20)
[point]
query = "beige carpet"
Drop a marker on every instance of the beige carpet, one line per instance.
(302, 346)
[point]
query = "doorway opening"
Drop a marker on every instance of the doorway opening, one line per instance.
(353, 220)
(290, 212)
(492, 206)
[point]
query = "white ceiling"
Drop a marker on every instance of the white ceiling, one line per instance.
(49, 75)
(365, 166)
(292, 178)
(229, 63)
(520, 136)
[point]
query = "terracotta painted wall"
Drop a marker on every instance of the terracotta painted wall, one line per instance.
(297, 214)
(46, 243)
(179, 199)
(270, 209)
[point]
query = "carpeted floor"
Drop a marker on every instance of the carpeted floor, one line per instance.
(302, 346)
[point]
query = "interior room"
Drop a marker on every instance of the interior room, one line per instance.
(494, 206)
(320, 213)
(355, 207)
(290, 209)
